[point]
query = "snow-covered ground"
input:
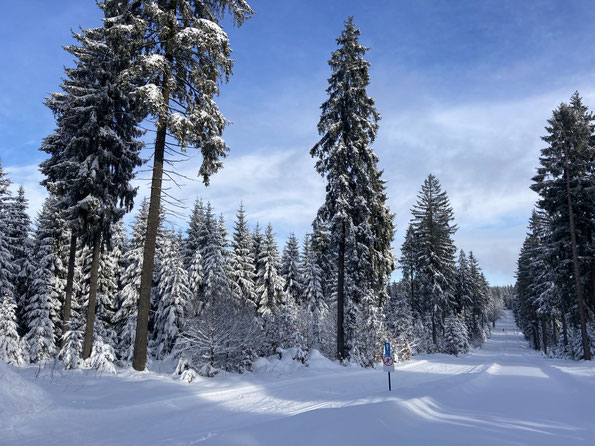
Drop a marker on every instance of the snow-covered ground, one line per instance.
(503, 394)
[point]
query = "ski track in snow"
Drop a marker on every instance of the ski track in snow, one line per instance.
(502, 394)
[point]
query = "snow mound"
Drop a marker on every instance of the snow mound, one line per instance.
(292, 360)
(287, 363)
(316, 361)
(18, 396)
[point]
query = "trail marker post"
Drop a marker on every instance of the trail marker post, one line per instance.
(388, 362)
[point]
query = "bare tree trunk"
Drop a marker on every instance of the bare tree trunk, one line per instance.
(554, 331)
(67, 309)
(577, 277)
(341, 297)
(92, 296)
(139, 360)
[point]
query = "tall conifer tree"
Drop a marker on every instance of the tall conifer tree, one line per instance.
(565, 182)
(433, 224)
(186, 56)
(94, 151)
(355, 212)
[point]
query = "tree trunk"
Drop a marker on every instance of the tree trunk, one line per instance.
(139, 360)
(544, 334)
(67, 309)
(577, 277)
(341, 297)
(564, 328)
(554, 332)
(92, 296)
(536, 335)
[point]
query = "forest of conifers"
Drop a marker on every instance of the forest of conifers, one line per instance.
(79, 288)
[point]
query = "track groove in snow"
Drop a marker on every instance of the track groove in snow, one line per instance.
(502, 394)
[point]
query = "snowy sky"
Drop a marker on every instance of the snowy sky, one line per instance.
(464, 89)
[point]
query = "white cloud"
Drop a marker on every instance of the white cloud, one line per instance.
(484, 154)
(280, 187)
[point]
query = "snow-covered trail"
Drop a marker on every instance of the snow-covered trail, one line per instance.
(504, 393)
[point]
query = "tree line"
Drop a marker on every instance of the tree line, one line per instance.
(79, 289)
(555, 287)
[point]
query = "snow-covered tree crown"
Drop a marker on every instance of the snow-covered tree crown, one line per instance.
(183, 57)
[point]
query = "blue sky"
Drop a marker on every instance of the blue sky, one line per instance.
(464, 89)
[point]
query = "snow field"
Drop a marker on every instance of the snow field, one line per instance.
(502, 394)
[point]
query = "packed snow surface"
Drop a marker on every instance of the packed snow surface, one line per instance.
(502, 394)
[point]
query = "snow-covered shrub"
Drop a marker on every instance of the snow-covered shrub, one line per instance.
(184, 369)
(224, 336)
(102, 357)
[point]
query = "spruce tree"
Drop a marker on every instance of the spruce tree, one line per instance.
(313, 299)
(94, 150)
(269, 283)
(463, 287)
(193, 243)
(125, 317)
(565, 183)
(241, 262)
(290, 269)
(434, 227)
(18, 228)
(355, 212)
(11, 348)
(46, 284)
(174, 297)
(215, 281)
(455, 337)
(409, 264)
(195, 281)
(185, 57)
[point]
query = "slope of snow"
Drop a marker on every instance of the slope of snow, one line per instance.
(503, 394)
(19, 398)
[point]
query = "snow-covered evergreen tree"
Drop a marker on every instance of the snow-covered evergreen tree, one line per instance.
(20, 245)
(125, 317)
(480, 295)
(241, 262)
(11, 347)
(290, 270)
(94, 151)
(269, 283)
(400, 320)
(463, 288)
(409, 264)
(184, 56)
(193, 241)
(359, 222)
(455, 336)
(174, 297)
(47, 284)
(195, 280)
(313, 301)
(434, 227)
(565, 181)
(215, 281)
